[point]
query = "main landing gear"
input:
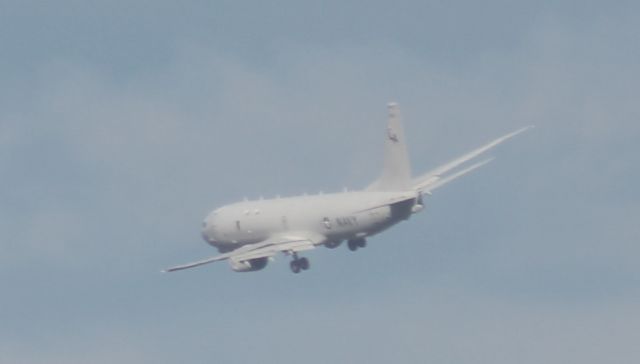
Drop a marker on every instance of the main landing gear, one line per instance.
(354, 244)
(299, 264)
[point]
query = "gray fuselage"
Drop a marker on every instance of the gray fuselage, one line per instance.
(336, 217)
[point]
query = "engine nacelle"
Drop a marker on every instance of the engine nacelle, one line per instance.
(332, 244)
(248, 265)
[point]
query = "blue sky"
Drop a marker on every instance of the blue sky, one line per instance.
(123, 123)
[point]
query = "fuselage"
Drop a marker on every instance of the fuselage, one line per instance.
(335, 216)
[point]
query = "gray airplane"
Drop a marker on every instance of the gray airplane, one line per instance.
(250, 233)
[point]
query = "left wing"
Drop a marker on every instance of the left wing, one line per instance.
(439, 182)
(288, 244)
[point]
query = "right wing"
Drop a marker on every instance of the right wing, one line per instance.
(438, 177)
(288, 244)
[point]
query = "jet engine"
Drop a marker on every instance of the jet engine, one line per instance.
(332, 244)
(248, 265)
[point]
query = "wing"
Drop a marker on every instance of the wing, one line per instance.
(389, 201)
(288, 244)
(438, 176)
(444, 180)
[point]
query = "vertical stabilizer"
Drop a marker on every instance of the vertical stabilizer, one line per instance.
(396, 172)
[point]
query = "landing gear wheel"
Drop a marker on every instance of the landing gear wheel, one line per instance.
(353, 245)
(295, 267)
(303, 263)
(362, 243)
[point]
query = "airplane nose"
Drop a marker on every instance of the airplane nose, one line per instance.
(205, 236)
(208, 232)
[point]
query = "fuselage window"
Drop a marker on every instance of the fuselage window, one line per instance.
(327, 222)
(238, 225)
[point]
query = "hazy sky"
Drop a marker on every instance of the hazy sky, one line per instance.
(122, 123)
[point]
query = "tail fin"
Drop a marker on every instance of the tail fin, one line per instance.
(396, 172)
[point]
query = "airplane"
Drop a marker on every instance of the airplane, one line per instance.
(249, 234)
